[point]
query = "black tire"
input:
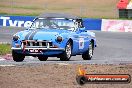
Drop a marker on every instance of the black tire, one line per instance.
(81, 80)
(42, 58)
(17, 57)
(88, 55)
(66, 55)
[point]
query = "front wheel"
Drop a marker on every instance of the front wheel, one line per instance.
(88, 55)
(17, 57)
(42, 58)
(67, 53)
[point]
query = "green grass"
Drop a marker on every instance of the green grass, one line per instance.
(5, 49)
(27, 7)
(36, 14)
(91, 8)
(19, 14)
(22, 7)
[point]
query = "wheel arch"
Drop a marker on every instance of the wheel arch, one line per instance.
(71, 41)
(92, 41)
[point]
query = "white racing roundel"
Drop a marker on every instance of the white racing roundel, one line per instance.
(81, 43)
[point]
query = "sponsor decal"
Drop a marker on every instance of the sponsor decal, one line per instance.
(81, 43)
(83, 78)
(26, 21)
(16, 21)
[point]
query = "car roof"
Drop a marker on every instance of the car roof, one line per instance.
(58, 15)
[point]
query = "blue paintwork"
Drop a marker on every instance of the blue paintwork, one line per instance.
(52, 34)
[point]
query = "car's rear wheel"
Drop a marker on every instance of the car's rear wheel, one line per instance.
(67, 53)
(17, 57)
(42, 58)
(88, 55)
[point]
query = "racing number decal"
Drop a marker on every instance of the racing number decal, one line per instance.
(81, 43)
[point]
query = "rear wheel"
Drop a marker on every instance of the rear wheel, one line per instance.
(88, 55)
(17, 57)
(67, 53)
(42, 58)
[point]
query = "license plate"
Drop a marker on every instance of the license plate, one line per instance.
(35, 51)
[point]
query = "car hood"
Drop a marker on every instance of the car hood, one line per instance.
(43, 34)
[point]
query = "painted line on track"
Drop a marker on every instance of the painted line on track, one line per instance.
(9, 65)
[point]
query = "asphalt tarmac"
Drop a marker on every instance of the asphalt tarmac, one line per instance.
(113, 48)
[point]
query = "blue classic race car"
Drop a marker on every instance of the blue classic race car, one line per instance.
(54, 35)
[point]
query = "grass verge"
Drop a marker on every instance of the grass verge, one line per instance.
(5, 49)
(19, 14)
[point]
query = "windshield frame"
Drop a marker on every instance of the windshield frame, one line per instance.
(72, 20)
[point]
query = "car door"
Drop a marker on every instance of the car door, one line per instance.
(83, 40)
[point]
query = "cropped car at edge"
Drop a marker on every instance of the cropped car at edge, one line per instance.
(54, 35)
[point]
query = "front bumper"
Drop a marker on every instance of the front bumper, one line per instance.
(44, 51)
(62, 49)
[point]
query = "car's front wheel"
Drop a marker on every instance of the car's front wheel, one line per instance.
(42, 58)
(17, 57)
(88, 55)
(67, 53)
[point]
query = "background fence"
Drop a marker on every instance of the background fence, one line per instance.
(26, 21)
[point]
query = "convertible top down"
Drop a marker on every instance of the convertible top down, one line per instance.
(54, 35)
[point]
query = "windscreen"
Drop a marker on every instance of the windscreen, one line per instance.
(64, 24)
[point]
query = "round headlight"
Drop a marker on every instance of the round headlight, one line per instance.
(59, 39)
(15, 38)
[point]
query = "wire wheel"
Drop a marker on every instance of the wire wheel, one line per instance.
(67, 53)
(88, 55)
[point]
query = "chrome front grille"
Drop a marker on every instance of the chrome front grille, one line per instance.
(33, 43)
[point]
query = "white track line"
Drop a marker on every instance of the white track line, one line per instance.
(63, 64)
(7, 65)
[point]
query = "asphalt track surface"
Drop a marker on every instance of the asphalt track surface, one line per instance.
(113, 48)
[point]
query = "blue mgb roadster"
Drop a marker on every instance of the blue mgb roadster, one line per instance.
(54, 35)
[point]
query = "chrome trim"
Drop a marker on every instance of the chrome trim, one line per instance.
(13, 48)
(48, 44)
(36, 41)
